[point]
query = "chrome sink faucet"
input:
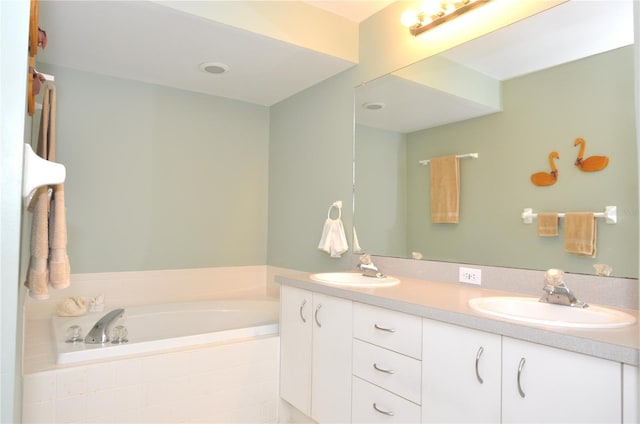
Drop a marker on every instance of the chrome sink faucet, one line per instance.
(368, 268)
(100, 330)
(557, 292)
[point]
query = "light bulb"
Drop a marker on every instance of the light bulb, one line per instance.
(409, 18)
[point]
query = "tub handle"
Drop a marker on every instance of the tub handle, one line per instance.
(302, 305)
(316, 315)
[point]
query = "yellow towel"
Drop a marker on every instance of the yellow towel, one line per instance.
(580, 233)
(547, 224)
(445, 190)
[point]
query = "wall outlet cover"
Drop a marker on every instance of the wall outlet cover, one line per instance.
(470, 275)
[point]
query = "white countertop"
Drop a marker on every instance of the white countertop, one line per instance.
(449, 303)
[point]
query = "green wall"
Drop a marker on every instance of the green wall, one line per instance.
(310, 167)
(159, 178)
(592, 98)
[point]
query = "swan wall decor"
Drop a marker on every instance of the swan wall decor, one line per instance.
(547, 178)
(592, 163)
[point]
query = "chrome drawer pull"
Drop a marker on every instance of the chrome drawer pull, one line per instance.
(387, 329)
(480, 351)
(316, 315)
(382, 411)
(388, 371)
(304, 302)
(522, 361)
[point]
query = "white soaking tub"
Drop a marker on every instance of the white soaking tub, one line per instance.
(152, 328)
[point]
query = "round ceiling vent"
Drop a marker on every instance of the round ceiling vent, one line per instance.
(215, 68)
(373, 105)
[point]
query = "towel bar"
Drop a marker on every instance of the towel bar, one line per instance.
(610, 215)
(466, 155)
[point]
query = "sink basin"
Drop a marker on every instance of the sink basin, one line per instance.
(353, 279)
(530, 310)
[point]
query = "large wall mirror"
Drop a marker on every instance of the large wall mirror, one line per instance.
(511, 96)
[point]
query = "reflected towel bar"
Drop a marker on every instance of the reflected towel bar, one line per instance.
(466, 155)
(610, 215)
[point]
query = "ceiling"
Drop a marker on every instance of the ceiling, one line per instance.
(567, 32)
(149, 42)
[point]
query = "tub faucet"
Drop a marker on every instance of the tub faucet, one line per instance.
(368, 268)
(99, 332)
(557, 292)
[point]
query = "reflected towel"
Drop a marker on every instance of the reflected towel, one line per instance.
(580, 233)
(547, 224)
(445, 190)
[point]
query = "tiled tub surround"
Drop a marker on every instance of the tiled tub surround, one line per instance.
(215, 382)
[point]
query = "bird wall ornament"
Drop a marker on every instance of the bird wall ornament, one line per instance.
(592, 163)
(547, 178)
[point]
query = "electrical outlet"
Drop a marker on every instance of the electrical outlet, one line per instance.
(470, 275)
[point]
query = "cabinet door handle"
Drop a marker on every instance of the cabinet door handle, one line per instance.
(385, 370)
(316, 315)
(302, 305)
(387, 329)
(520, 366)
(382, 411)
(478, 355)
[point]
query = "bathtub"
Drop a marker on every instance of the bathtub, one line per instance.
(159, 327)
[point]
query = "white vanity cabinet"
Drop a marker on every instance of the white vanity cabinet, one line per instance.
(543, 384)
(461, 370)
(315, 354)
(386, 365)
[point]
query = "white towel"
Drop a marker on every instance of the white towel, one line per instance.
(333, 240)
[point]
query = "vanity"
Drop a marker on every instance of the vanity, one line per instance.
(417, 352)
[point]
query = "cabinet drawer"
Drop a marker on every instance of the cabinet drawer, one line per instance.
(371, 404)
(397, 373)
(393, 330)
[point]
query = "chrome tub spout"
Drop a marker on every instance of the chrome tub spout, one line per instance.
(100, 330)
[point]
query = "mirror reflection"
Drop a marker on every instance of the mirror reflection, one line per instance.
(512, 96)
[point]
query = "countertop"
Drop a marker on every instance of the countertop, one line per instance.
(449, 303)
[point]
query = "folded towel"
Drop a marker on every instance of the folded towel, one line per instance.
(580, 233)
(333, 240)
(547, 224)
(445, 190)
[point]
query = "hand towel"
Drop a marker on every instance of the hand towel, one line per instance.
(38, 270)
(59, 267)
(580, 233)
(445, 190)
(547, 224)
(333, 240)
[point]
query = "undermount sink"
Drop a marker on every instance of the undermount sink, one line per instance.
(530, 310)
(353, 279)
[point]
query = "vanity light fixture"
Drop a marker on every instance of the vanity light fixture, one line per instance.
(436, 12)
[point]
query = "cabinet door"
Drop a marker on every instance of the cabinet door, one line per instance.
(543, 384)
(460, 374)
(630, 380)
(296, 315)
(332, 349)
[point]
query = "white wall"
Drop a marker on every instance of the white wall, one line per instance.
(14, 23)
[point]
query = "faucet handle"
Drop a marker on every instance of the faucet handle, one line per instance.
(554, 276)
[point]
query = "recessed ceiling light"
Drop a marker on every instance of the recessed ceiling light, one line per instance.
(215, 68)
(373, 105)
